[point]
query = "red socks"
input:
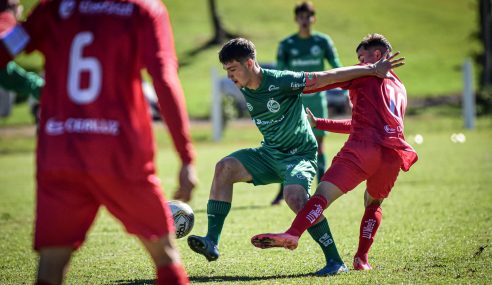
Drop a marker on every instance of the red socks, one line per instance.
(368, 228)
(308, 215)
(172, 274)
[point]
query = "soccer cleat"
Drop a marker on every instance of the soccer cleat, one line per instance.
(332, 268)
(275, 240)
(204, 246)
(361, 265)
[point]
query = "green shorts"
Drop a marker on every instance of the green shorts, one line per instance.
(318, 104)
(266, 169)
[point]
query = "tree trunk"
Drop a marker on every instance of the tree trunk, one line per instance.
(486, 38)
(220, 34)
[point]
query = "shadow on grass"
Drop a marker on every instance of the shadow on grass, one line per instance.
(204, 279)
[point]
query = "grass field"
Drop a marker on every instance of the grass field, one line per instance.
(437, 224)
(434, 35)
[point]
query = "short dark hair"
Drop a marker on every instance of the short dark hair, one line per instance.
(8, 5)
(305, 6)
(375, 40)
(238, 49)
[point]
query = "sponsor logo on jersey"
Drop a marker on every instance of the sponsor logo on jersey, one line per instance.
(82, 125)
(66, 8)
(250, 107)
(270, 122)
(106, 7)
(297, 85)
(315, 50)
(305, 62)
(390, 130)
(273, 88)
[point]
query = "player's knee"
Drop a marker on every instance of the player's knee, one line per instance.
(224, 168)
(295, 200)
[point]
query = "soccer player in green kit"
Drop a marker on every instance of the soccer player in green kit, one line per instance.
(288, 151)
(306, 51)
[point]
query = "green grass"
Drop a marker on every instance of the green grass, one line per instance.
(435, 36)
(436, 228)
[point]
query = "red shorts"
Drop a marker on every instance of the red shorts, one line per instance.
(358, 161)
(67, 204)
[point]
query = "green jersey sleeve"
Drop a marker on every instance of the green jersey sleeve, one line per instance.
(15, 78)
(292, 82)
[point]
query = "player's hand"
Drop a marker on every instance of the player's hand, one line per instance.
(187, 182)
(386, 63)
(311, 118)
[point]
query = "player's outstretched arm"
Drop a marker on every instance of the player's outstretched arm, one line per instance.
(334, 126)
(320, 79)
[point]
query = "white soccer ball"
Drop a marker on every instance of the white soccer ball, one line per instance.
(183, 216)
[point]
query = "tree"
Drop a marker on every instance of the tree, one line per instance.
(485, 34)
(221, 35)
(484, 95)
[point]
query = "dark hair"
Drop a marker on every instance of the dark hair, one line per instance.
(8, 5)
(238, 49)
(374, 40)
(305, 6)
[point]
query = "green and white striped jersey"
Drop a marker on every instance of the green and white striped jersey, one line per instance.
(276, 109)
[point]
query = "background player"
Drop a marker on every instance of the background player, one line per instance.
(375, 151)
(13, 77)
(288, 151)
(306, 51)
(95, 145)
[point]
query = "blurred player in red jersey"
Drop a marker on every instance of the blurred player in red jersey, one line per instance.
(374, 152)
(95, 144)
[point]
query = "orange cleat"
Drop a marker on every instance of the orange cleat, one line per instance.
(275, 240)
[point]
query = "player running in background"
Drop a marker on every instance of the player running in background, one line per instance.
(95, 145)
(306, 51)
(288, 151)
(374, 152)
(13, 77)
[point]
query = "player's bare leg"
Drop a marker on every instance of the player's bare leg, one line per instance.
(368, 228)
(295, 197)
(166, 259)
(53, 263)
(309, 215)
(228, 171)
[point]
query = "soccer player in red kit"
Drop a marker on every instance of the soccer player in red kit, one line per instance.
(95, 145)
(374, 152)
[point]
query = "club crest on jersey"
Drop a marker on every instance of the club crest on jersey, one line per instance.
(66, 8)
(315, 50)
(273, 106)
(250, 107)
(294, 52)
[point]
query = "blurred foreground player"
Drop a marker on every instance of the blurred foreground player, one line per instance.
(95, 144)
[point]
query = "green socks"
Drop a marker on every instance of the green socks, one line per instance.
(217, 212)
(322, 235)
(321, 166)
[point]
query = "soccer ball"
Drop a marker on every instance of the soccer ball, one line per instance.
(183, 216)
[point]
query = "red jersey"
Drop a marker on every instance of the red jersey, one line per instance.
(94, 116)
(378, 110)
